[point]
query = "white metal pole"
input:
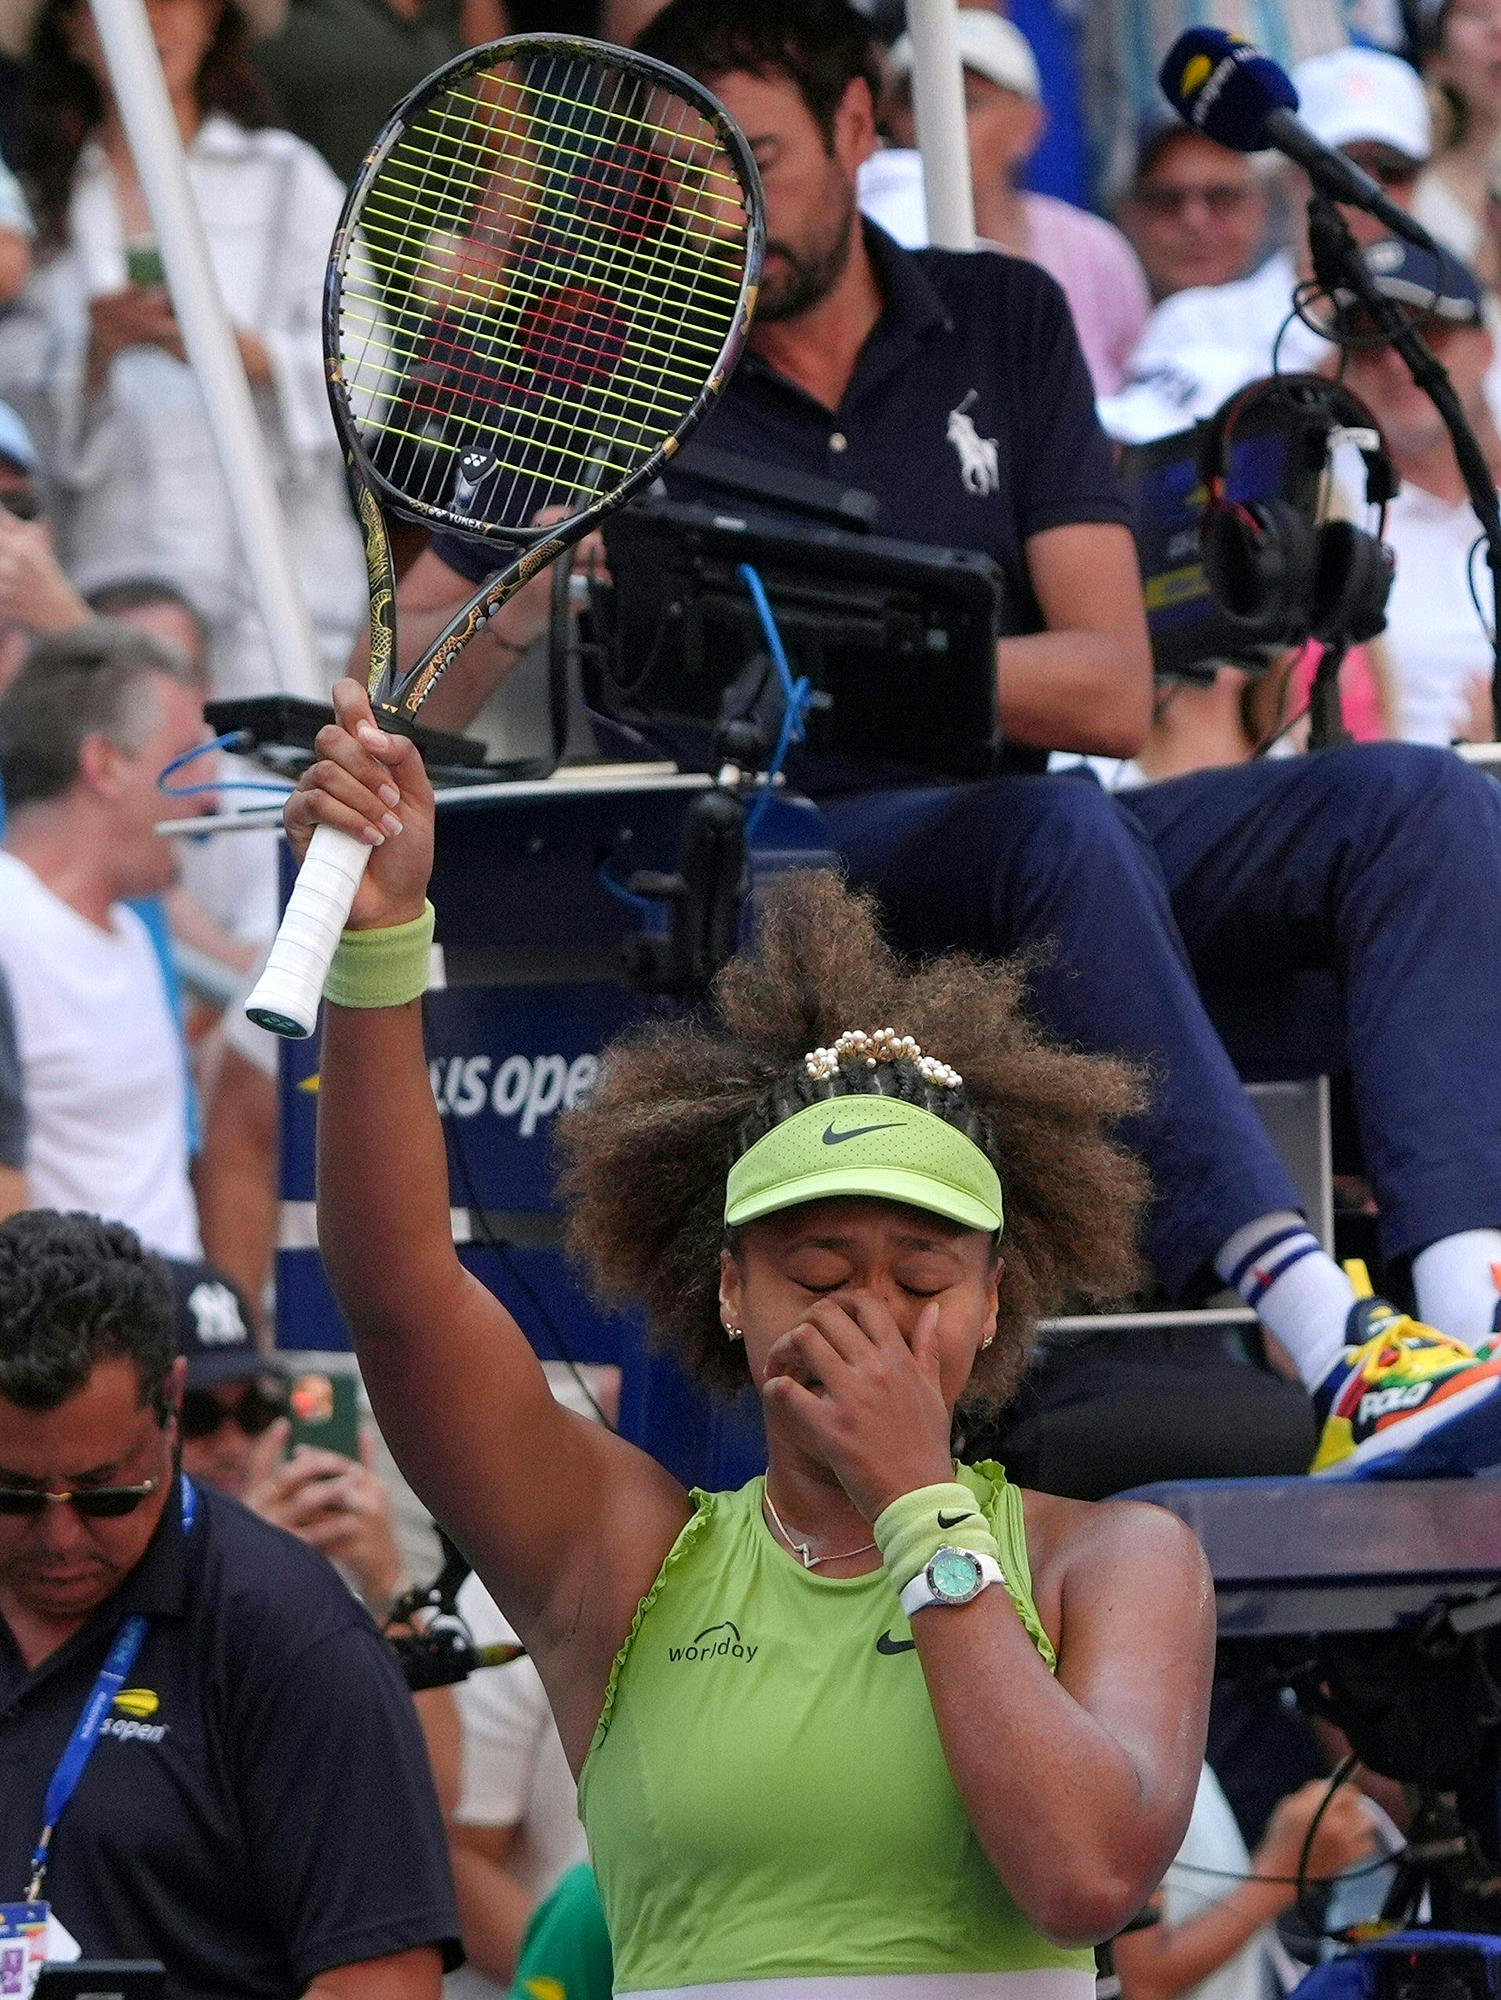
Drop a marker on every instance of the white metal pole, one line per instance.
(942, 137)
(156, 147)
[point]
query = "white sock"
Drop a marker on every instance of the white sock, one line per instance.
(1458, 1284)
(1294, 1287)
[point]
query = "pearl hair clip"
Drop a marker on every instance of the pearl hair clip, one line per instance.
(884, 1046)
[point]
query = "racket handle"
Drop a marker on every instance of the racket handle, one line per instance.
(286, 995)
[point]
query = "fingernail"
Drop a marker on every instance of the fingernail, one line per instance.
(392, 824)
(390, 796)
(370, 733)
(374, 835)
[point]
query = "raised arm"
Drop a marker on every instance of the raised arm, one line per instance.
(566, 1522)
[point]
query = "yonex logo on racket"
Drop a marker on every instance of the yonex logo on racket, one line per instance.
(474, 468)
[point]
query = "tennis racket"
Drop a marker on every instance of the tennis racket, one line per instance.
(542, 277)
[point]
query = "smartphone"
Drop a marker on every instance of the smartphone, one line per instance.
(143, 263)
(325, 1411)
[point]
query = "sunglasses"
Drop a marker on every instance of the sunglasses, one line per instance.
(94, 1503)
(255, 1410)
(1161, 198)
(1393, 170)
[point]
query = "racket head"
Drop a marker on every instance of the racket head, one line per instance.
(543, 273)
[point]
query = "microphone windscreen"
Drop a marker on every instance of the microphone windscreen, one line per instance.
(1225, 88)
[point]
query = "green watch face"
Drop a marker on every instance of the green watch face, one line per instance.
(954, 1574)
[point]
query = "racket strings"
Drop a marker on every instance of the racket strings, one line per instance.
(481, 183)
(537, 284)
(480, 294)
(456, 130)
(602, 321)
(476, 284)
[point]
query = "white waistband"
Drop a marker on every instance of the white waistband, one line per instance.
(1041, 1983)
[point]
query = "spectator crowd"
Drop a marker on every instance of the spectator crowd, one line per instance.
(309, 1829)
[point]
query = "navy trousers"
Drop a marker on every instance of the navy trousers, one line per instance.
(1345, 907)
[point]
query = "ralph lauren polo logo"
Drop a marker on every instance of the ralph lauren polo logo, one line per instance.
(979, 457)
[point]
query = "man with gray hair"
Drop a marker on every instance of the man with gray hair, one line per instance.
(93, 1093)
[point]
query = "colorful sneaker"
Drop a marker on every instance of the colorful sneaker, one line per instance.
(1406, 1402)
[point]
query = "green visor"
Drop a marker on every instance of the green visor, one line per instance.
(879, 1146)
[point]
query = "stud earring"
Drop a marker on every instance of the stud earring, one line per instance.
(986, 1342)
(732, 1332)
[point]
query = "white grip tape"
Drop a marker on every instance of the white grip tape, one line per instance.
(286, 995)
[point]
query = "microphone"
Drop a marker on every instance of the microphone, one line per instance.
(1232, 93)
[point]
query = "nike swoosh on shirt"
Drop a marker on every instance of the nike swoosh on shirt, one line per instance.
(886, 1644)
(833, 1138)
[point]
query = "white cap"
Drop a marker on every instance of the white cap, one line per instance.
(1355, 94)
(991, 46)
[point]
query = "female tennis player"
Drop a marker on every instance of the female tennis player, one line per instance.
(879, 1723)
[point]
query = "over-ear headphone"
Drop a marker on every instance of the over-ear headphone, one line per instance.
(1280, 574)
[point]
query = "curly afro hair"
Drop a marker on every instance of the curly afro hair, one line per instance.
(645, 1159)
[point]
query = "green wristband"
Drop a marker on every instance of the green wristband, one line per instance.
(916, 1525)
(382, 968)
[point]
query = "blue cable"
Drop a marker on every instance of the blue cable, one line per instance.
(231, 741)
(797, 695)
(643, 905)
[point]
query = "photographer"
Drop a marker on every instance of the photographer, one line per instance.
(256, 1809)
(235, 1427)
(1218, 1903)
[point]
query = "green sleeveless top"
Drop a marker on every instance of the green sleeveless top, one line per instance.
(766, 1795)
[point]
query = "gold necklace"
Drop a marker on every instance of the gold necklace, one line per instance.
(803, 1550)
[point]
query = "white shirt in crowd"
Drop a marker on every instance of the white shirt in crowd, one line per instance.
(1214, 1844)
(137, 489)
(1441, 212)
(1434, 644)
(101, 1064)
(1201, 345)
(513, 1771)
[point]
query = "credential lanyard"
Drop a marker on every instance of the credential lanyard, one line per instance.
(118, 1662)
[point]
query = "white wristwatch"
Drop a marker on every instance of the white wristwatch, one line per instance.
(952, 1576)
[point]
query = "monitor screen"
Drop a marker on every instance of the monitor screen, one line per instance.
(897, 640)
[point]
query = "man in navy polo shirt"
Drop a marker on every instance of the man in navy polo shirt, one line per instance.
(255, 1807)
(953, 387)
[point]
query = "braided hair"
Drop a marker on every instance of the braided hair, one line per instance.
(644, 1160)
